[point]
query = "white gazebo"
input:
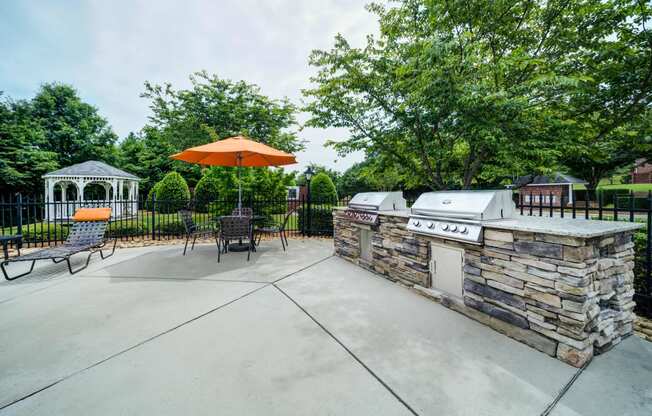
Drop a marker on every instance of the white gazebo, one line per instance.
(120, 190)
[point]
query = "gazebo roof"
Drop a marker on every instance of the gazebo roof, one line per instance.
(92, 168)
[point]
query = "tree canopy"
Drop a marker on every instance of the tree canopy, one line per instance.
(464, 93)
(52, 130)
(211, 109)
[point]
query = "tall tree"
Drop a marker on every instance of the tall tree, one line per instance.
(73, 129)
(463, 92)
(211, 109)
(22, 160)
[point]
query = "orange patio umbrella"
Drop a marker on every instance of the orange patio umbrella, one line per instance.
(235, 151)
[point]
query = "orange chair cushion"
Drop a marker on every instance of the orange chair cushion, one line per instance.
(92, 214)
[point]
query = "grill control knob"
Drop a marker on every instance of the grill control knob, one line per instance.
(444, 227)
(453, 228)
(417, 223)
(463, 230)
(431, 224)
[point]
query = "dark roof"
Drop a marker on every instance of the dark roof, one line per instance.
(92, 168)
(556, 178)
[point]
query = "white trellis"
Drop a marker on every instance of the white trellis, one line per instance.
(120, 190)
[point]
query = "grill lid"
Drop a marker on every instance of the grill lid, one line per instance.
(470, 205)
(378, 201)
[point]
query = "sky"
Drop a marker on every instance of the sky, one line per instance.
(108, 49)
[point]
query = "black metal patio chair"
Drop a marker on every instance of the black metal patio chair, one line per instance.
(83, 236)
(243, 212)
(235, 228)
(273, 228)
(194, 230)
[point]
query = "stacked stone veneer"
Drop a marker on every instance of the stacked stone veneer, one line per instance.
(568, 297)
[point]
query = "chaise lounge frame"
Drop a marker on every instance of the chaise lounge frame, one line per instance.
(84, 236)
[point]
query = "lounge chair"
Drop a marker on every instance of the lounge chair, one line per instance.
(86, 234)
(194, 230)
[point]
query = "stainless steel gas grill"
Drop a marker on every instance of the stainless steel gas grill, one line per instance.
(364, 207)
(459, 215)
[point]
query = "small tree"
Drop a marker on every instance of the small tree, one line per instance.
(172, 193)
(322, 189)
(207, 190)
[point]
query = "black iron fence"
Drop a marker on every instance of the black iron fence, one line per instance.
(631, 207)
(43, 223)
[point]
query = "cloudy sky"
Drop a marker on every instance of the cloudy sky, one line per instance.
(107, 49)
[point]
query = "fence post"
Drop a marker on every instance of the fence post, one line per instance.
(19, 213)
(153, 215)
(309, 218)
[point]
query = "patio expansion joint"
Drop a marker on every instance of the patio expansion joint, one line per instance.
(347, 349)
(565, 389)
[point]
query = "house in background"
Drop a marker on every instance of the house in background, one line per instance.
(555, 189)
(642, 172)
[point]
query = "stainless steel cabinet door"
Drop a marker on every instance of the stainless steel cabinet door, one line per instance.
(446, 265)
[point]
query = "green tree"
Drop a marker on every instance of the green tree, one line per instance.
(316, 168)
(464, 93)
(211, 109)
(322, 189)
(172, 193)
(22, 160)
(593, 159)
(72, 129)
(214, 108)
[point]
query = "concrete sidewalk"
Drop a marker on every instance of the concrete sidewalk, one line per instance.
(149, 331)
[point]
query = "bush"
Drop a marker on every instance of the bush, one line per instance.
(119, 230)
(207, 190)
(153, 191)
(322, 189)
(171, 228)
(321, 220)
(44, 232)
(172, 193)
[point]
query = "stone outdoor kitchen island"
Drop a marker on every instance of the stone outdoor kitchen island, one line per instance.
(562, 286)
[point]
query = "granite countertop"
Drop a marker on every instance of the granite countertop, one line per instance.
(572, 227)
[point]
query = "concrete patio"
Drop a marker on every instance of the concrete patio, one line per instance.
(150, 331)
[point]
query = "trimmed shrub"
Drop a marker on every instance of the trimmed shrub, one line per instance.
(44, 232)
(172, 193)
(322, 189)
(152, 192)
(171, 228)
(207, 190)
(129, 229)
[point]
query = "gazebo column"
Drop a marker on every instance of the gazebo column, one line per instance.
(49, 198)
(64, 191)
(81, 184)
(107, 191)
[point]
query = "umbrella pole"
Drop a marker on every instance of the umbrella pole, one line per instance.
(239, 184)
